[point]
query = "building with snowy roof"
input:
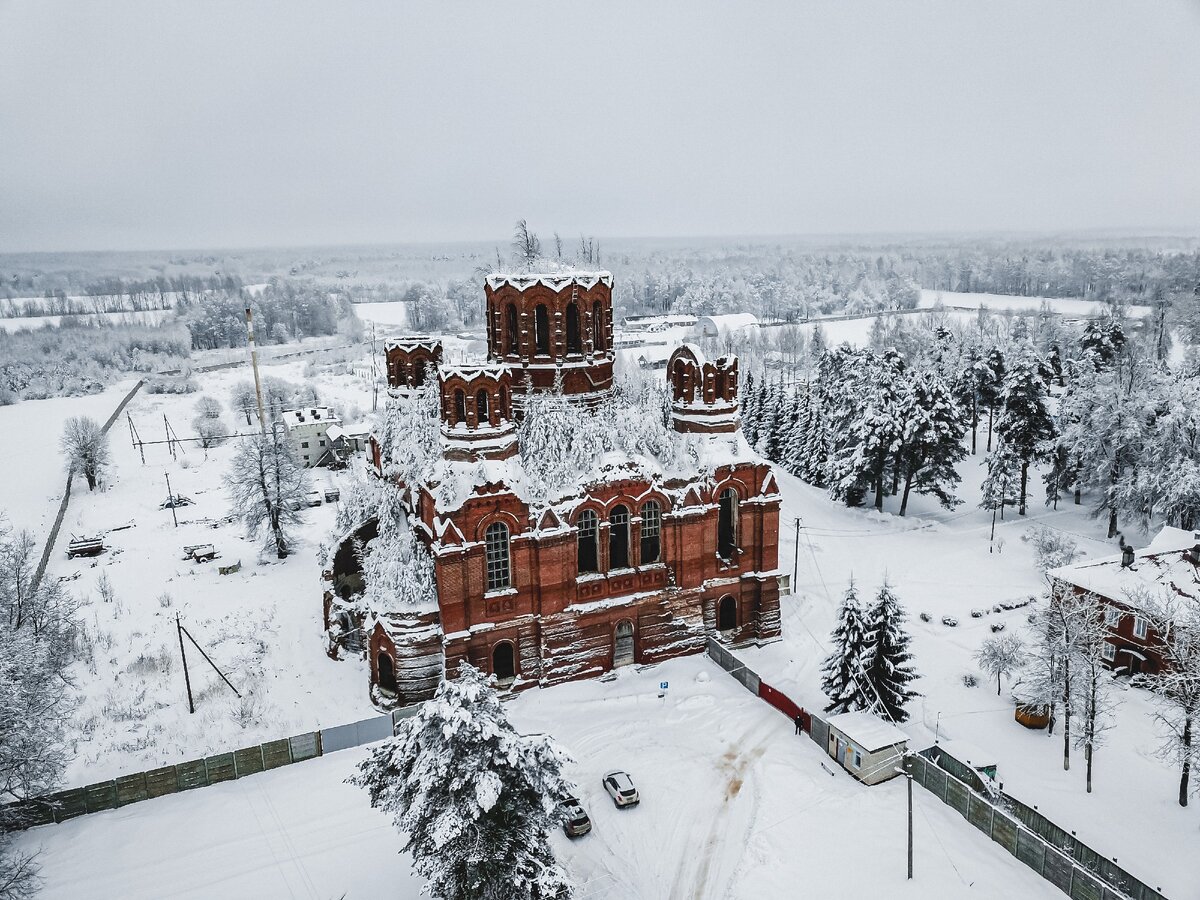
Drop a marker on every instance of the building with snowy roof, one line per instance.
(307, 430)
(551, 562)
(1130, 585)
(866, 746)
(722, 326)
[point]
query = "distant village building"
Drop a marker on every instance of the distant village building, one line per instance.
(638, 565)
(1125, 582)
(658, 323)
(307, 430)
(723, 326)
(866, 746)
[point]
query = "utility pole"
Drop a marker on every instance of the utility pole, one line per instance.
(910, 830)
(796, 557)
(171, 500)
(186, 677)
(374, 373)
(262, 418)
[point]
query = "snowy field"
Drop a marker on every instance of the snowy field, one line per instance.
(999, 302)
(29, 454)
(734, 805)
(394, 315)
(938, 562)
(32, 323)
(261, 625)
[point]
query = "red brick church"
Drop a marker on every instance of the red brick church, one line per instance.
(635, 566)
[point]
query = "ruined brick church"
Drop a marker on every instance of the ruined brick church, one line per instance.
(632, 566)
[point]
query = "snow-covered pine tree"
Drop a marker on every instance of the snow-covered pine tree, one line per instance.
(1025, 423)
(1000, 483)
(793, 448)
(474, 800)
(397, 567)
(815, 455)
(841, 673)
(749, 396)
(886, 660)
(783, 420)
(991, 394)
(932, 440)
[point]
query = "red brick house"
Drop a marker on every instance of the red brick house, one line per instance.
(636, 562)
(1125, 581)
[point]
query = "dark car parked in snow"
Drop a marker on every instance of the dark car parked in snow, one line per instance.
(577, 822)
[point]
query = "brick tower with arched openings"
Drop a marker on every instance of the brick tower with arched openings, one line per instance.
(547, 326)
(476, 412)
(703, 394)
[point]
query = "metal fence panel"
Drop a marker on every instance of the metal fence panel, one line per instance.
(1085, 886)
(1056, 868)
(220, 768)
(131, 789)
(277, 753)
(339, 737)
(247, 761)
(304, 746)
(819, 732)
(731, 664)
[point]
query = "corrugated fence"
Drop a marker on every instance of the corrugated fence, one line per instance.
(1053, 853)
(198, 773)
(721, 655)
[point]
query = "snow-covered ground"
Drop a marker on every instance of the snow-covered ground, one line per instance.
(141, 317)
(394, 315)
(939, 562)
(733, 805)
(998, 302)
(261, 625)
(29, 456)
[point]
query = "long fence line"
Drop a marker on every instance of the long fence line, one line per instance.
(202, 772)
(52, 539)
(1051, 851)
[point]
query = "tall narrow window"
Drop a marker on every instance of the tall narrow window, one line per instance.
(623, 646)
(511, 337)
(481, 408)
(460, 408)
(541, 330)
(618, 538)
(503, 412)
(598, 327)
(418, 373)
(496, 550)
(727, 524)
(651, 530)
(573, 343)
(588, 554)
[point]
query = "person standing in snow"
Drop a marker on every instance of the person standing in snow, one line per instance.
(799, 724)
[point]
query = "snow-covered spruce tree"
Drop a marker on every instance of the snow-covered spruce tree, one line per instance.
(814, 459)
(85, 446)
(972, 384)
(268, 485)
(886, 660)
(992, 390)
(793, 448)
(749, 397)
(474, 800)
(396, 566)
(408, 434)
(1001, 656)
(1000, 483)
(841, 673)
(1025, 423)
(931, 443)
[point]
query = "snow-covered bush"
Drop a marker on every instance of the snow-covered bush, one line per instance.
(1051, 548)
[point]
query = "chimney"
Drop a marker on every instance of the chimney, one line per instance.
(1126, 553)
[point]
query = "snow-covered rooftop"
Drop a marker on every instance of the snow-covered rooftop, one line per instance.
(555, 277)
(726, 323)
(308, 415)
(412, 341)
(867, 730)
(1160, 566)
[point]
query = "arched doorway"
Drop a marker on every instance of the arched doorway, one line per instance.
(387, 672)
(727, 614)
(623, 650)
(504, 664)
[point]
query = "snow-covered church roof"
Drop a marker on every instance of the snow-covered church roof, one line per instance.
(551, 275)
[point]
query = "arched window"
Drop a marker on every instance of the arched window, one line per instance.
(418, 373)
(481, 407)
(574, 345)
(678, 379)
(651, 531)
(496, 550)
(504, 663)
(727, 614)
(618, 538)
(503, 412)
(727, 524)
(387, 672)
(460, 407)
(510, 329)
(623, 647)
(588, 554)
(598, 327)
(541, 330)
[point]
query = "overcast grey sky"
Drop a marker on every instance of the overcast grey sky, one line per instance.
(149, 125)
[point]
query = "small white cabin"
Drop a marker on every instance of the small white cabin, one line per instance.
(866, 746)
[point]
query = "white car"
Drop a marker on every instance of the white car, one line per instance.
(313, 498)
(620, 787)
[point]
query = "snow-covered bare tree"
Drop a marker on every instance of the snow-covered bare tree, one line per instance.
(526, 245)
(85, 446)
(243, 399)
(268, 487)
(886, 660)
(1001, 656)
(1094, 679)
(408, 435)
(841, 673)
(1177, 686)
(474, 800)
